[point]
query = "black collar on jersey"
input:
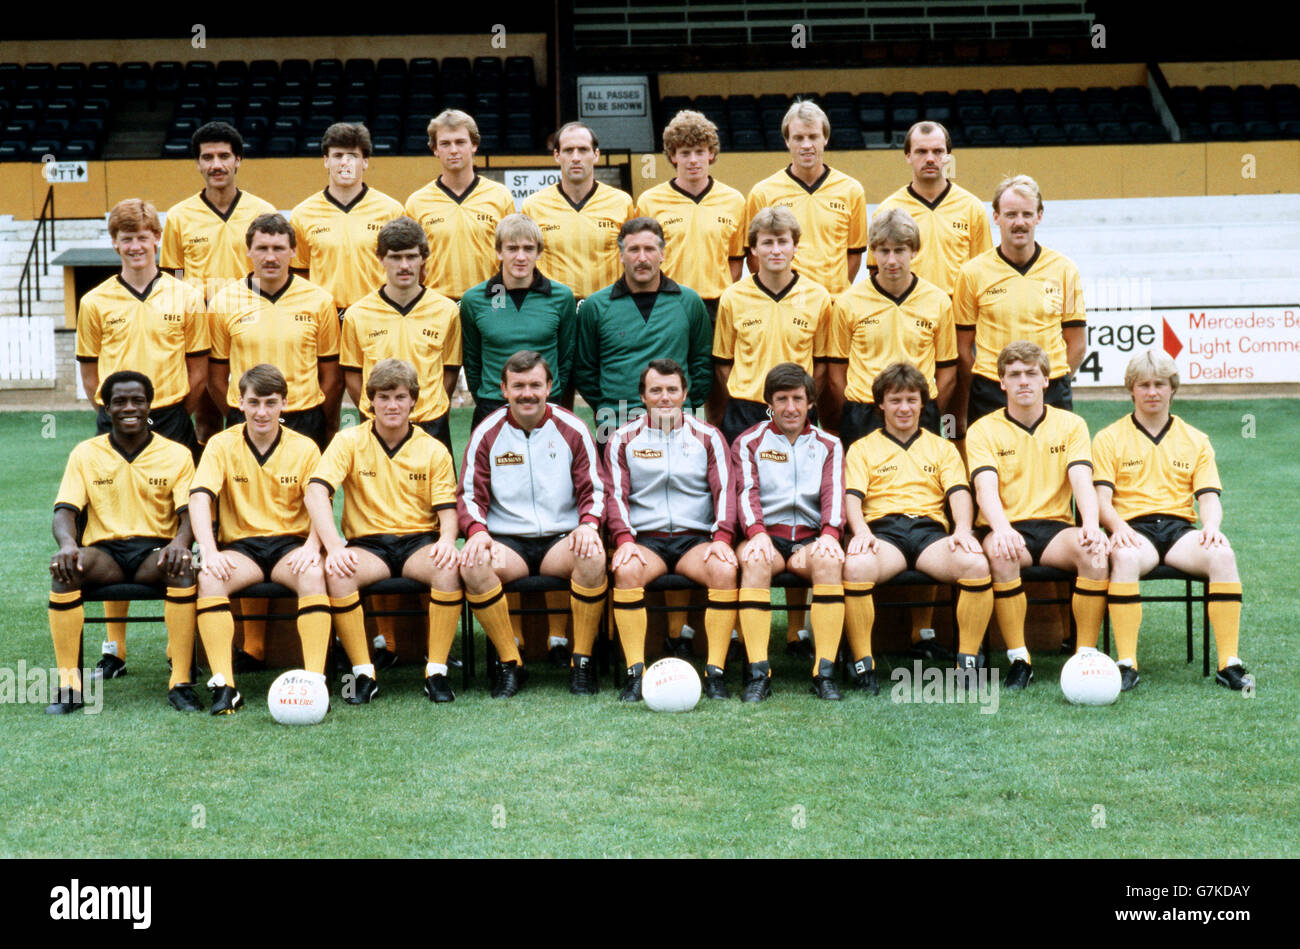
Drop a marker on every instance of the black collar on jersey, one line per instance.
(458, 198)
(390, 452)
(697, 198)
(345, 208)
(147, 290)
(269, 297)
(903, 445)
(1028, 428)
(131, 456)
(1155, 439)
(1029, 265)
(930, 204)
(776, 297)
(585, 198)
(539, 285)
(260, 456)
(621, 289)
(897, 300)
(810, 188)
(510, 419)
(404, 310)
(203, 196)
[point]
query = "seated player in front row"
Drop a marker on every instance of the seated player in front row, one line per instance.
(671, 488)
(254, 475)
(531, 503)
(1025, 461)
(399, 518)
(1151, 468)
(132, 488)
(899, 479)
(790, 477)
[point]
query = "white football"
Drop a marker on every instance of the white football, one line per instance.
(671, 685)
(298, 697)
(1090, 677)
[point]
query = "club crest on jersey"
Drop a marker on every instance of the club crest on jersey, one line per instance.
(647, 453)
(772, 455)
(509, 458)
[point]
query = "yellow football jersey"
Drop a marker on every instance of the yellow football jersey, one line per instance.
(1004, 303)
(832, 215)
(758, 329)
(873, 329)
(913, 477)
(1032, 463)
(1154, 474)
(388, 491)
(257, 495)
(294, 330)
(150, 332)
(208, 245)
(336, 242)
(954, 229)
(426, 333)
(140, 495)
(703, 233)
(462, 232)
(581, 239)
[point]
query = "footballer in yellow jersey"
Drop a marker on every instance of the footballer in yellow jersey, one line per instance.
(254, 475)
(580, 217)
(952, 223)
(831, 206)
(775, 316)
(703, 219)
(1019, 290)
(399, 518)
(409, 321)
(337, 227)
(892, 316)
(121, 515)
(1152, 472)
(1025, 463)
(276, 317)
(899, 481)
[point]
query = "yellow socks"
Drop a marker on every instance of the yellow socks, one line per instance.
(557, 620)
(974, 607)
(350, 627)
(1010, 603)
(677, 618)
(587, 604)
(754, 607)
(923, 616)
(827, 621)
(719, 621)
(314, 630)
(1125, 604)
(217, 628)
(67, 617)
(179, 615)
(859, 617)
(444, 616)
(494, 616)
(116, 632)
(1089, 605)
(384, 625)
(254, 629)
(630, 618)
(1224, 603)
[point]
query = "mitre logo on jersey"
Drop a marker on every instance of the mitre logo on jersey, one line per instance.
(239, 479)
(1131, 463)
(673, 219)
(886, 469)
(366, 473)
(550, 227)
(319, 229)
(771, 455)
(197, 240)
(647, 453)
(509, 458)
(375, 334)
(436, 220)
(748, 323)
(116, 321)
(100, 482)
(250, 318)
(1004, 452)
(994, 291)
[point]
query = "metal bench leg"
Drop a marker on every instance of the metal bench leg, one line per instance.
(1205, 625)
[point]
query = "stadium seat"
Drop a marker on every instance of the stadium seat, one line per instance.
(1082, 134)
(327, 67)
(286, 125)
(517, 141)
(1047, 135)
(1147, 132)
(747, 140)
(1262, 130)
(135, 78)
(519, 69)
(1015, 136)
(980, 136)
(1226, 131)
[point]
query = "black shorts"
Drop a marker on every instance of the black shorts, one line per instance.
(911, 535)
(671, 549)
(394, 549)
(533, 550)
(711, 306)
(786, 547)
(440, 428)
(266, 552)
(986, 396)
(130, 552)
(1163, 530)
(860, 419)
(169, 421)
(1037, 532)
(482, 409)
(309, 422)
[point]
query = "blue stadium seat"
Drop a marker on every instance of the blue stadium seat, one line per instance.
(981, 136)
(747, 140)
(1082, 134)
(519, 141)
(327, 67)
(1015, 136)
(1262, 130)
(1147, 132)
(1047, 135)
(1034, 96)
(136, 78)
(180, 148)
(281, 146)
(415, 144)
(386, 145)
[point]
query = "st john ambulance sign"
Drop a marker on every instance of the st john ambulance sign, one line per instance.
(618, 109)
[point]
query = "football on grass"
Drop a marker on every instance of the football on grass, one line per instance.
(1090, 677)
(298, 697)
(671, 685)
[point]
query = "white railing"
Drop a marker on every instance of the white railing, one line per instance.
(26, 351)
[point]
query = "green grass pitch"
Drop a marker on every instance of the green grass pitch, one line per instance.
(1179, 768)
